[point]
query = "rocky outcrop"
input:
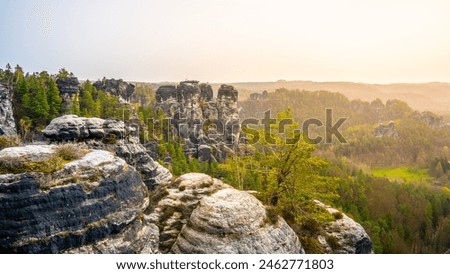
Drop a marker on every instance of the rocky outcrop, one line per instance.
(74, 128)
(69, 88)
(199, 214)
(7, 123)
(87, 201)
(209, 126)
(259, 96)
(344, 235)
(388, 130)
(430, 119)
(233, 221)
(115, 87)
(111, 135)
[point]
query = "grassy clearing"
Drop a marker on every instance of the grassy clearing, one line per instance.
(405, 174)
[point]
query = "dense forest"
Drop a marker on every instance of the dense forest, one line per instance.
(398, 188)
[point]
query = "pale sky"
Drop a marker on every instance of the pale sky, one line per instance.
(231, 40)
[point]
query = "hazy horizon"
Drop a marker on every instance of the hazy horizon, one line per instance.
(378, 42)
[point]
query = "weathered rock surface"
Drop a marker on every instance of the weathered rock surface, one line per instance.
(388, 130)
(74, 128)
(115, 87)
(7, 123)
(199, 214)
(88, 200)
(173, 202)
(350, 236)
(111, 135)
(201, 120)
(34, 153)
(233, 221)
(141, 236)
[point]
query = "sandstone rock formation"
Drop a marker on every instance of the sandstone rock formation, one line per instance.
(74, 128)
(209, 126)
(259, 96)
(69, 88)
(87, 200)
(233, 221)
(7, 123)
(347, 235)
(200, 214)
(115, 87)
(111, 135)
(388, 130)
(429, 118)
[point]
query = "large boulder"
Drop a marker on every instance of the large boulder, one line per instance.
(74, 128)
(199, 214)
(344, 235)
(233, 221)
(7, 123)
(90, 199)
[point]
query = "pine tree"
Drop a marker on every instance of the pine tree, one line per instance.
(39, 106)
(54, 99)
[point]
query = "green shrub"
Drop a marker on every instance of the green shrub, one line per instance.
(338, 215)
(17, 165)
(312, 245)
(333, 242)
(8, 141)
(272, 214)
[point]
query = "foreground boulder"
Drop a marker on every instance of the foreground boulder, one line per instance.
(344, 235)
(200, 214)
(233, 221)
(93, 198)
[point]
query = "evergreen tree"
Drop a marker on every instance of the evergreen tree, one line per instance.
(54, 99)
(39, 105)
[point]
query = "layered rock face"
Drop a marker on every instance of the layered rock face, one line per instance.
(115, 87)
(209, 126)
(388, 130)
(111, 135)
(7, 123)
(349, 236)
(74, 128)
(200, 214)
(94, 198)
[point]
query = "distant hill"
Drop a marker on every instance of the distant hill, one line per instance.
(427, 96)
